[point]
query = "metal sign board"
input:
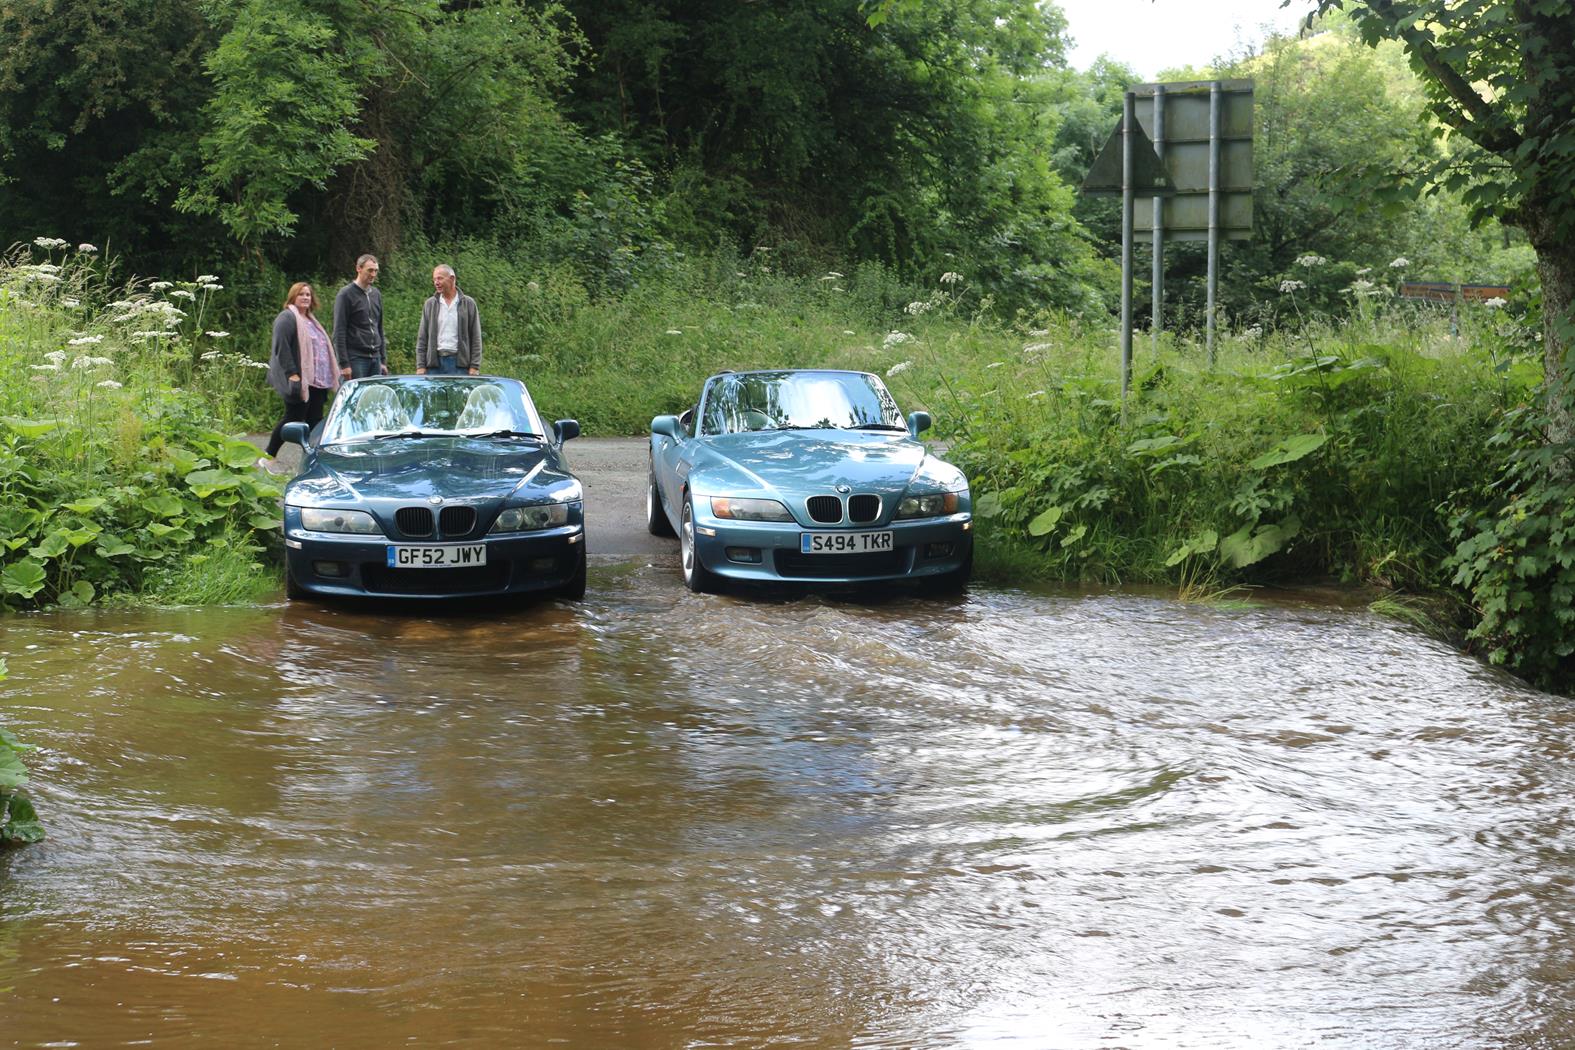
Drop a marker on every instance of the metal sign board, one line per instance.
(1148, 171)
(1448, 292)
(1185, 145)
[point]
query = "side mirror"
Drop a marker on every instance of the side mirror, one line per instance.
(667, 426)
(295, 433)
(918, 421)
(566, 429)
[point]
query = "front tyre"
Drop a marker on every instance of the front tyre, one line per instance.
(697, 577)
(292, 591)
(574, 590)
(656, 522)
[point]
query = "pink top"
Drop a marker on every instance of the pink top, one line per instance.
(322, 360)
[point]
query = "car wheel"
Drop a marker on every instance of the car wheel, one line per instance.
(292, 591)
(953, 582)
(697, 577)
(656, 521)
(574, 590)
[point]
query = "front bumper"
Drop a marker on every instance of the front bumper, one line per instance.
(356, 566)
(924, 547)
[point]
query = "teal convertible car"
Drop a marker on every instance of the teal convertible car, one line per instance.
(806, 475)
(433, 487)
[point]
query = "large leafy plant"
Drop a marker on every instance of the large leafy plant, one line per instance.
(18, 821)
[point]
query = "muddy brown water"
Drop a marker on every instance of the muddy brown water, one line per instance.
(1021, 819)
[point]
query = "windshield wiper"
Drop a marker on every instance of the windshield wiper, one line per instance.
(507, 434)
(879, 426)
(400, 434)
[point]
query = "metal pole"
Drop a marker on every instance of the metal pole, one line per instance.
(1128, 122)
(1214, 209)
(1157, 293)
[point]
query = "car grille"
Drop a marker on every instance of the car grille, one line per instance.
(844, 566)
(479, 579)
(862, 508)
(457, 522)
(413, 521)
(825, 509)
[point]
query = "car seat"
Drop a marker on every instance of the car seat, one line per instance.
(485, 409)
(377, 409)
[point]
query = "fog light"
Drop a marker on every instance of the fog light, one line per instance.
(937, 550)
(543, 564)
(746, 554)
(329, 568)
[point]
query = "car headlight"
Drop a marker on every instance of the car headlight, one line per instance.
(527, 519)
(749, 509)
(315, 519)
(930, 505)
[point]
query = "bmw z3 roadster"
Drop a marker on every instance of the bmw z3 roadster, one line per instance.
(806, 475)
(433, 487)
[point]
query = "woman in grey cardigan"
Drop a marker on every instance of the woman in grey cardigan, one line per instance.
(302, 367)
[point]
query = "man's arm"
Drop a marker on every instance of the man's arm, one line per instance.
(382, 340)
(342, 327)
(421, 342)
(475, 338)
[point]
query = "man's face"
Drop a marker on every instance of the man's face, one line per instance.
(443, 282)
(366, 273)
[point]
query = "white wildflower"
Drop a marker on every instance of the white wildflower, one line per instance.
(950, 278)
(995, 364)
(217, 335)
(257, 364)
(1495, 303)
(211, 355)
(1364, 270)
(108, 384)
(1291, 286)
(1400, 263)
(159, 286)
(532, 286)
(1361, 287)
(86, 249)
(898, 368)
(50, 242)
(85, 340)
(1036, 393)
(212, 287)
(149, 334)
(71, 304)
(834, 273)
(208, 278)
(829, 277)
(917, 308)
(46, 268)
(896, 339)
(1037, 348)
(91, 362)
(46, 368)
(849, 331)
(675, 331)
(182, 293)
(47, 278)
(1039, 332)
(56, 356)
(1308, 261)
(1254, 332)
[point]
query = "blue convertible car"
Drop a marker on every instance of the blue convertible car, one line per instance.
(810, 476)
(433, 487)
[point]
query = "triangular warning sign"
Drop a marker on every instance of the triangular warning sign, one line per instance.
(1148, 171)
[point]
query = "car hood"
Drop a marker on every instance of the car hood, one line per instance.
(803, 462)
(463, 469)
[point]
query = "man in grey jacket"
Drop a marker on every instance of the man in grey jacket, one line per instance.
(358, 323)
(449, 339)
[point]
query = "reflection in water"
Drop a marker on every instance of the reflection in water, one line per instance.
(660, 820)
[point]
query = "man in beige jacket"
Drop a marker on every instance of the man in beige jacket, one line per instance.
(449, 339)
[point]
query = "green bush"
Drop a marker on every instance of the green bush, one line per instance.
(18, 821)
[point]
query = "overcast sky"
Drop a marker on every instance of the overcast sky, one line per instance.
(1150, 35)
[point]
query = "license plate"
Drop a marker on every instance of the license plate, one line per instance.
(445, 557)
(844, 542)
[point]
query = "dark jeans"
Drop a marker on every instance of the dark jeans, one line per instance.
(309, 412)
(447, 365)
(361, 367)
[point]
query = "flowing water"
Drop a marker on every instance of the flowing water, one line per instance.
(658, 820)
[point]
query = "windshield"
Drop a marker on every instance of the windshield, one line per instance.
(432, 406)
(798, 400)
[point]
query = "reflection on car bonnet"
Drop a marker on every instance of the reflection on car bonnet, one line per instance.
(485, 409)
(378, 409)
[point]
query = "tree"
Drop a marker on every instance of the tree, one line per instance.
(1500, 74)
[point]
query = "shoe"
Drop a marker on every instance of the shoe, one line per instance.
(262, 463)
(271, 466)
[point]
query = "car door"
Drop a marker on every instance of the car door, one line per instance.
(671, 461)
